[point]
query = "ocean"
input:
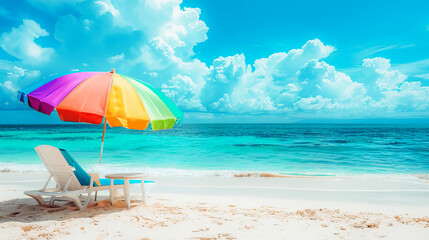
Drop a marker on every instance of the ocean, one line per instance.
(227, 149)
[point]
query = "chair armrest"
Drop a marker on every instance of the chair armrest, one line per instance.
(95, 177)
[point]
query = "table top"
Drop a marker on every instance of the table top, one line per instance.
(125, 175)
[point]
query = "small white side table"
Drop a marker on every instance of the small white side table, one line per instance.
(126, 177)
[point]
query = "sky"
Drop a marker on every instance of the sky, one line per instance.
(230, 61)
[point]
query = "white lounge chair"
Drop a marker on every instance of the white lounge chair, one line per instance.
(72, 182)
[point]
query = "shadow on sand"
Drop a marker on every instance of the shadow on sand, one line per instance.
(26, 210)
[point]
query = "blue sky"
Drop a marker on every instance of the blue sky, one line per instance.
(230, 61)
(260, 29)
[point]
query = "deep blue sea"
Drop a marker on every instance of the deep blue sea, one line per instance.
(222, 149)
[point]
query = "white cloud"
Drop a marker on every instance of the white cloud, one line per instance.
(152, 35)
(297, 81)
(377, 49)
(378, 69)
(320, 78)
(19, 42)
(391, 91)
(410, 97)
(280, 83)
(15, 79)
(106, 6)
(272, 86)
(283, 66)
(117, 58)
(185, 31)
(413, 68)
(157, 55)
(223, 76)
(20, 77)
(184, 92)
(232, 86)
(179, 27)
(8, 86)
(424, 76)
(313, 103)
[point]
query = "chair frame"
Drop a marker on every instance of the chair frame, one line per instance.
(68, 186)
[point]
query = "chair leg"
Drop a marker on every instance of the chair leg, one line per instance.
(127, 192)
(95, 197)
(77, 202)
(88, 199)
(144, 196)
(38, 198)
(111, 189)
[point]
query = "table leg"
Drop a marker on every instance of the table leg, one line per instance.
(127, 192)
(144, 198)
(111, 191)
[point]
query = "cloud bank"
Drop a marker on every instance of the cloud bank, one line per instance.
(154, 40)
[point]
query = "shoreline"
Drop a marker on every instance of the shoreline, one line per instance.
(6, 167)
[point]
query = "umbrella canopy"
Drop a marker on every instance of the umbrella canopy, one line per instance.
(90, 97)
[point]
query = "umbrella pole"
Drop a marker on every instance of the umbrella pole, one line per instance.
(102, 142)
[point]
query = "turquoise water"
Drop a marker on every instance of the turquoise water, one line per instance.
(222, 148)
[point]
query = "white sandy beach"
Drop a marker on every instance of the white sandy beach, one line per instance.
(371, 207)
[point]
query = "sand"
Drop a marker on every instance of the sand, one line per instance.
(380, 207)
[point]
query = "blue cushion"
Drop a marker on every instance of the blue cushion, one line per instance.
(84, 178)
(81, 174)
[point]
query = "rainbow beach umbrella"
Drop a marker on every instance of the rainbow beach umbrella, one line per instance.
(90, 97)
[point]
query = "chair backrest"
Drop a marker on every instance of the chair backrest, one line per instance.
(81, 175)
(59, 168)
